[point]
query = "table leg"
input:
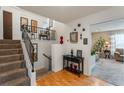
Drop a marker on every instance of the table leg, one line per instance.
(79, 69)
(67, 63)
(63, 63)
(82, 67)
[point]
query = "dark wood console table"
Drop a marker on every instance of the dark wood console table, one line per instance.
(73, 59)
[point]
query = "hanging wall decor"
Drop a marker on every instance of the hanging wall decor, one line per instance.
(83, 29)
(85, 41)
(74, 37)
(79, 25)
(34, 26)
(23, 23)
(80, 36)
(75, 29)
(61, 40)
(79, 53)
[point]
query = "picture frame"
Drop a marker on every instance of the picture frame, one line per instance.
(74, 37)
(79, 53)
(34, 24)
(23, 23)
(85, 41)
(35, 54)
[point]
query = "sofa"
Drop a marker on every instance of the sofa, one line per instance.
(119, 54)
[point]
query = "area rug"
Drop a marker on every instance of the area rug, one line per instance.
(109, 70)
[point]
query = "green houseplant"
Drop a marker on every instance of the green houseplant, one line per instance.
(93, 52)
(97, 47)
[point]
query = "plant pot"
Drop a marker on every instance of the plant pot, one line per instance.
(93, 61)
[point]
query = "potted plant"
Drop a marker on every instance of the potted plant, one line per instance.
(99, 44)
(93, 59)
(93, 52)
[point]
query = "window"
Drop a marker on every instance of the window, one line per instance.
(117, 40)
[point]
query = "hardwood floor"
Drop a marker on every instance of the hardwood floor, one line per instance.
(65, 78)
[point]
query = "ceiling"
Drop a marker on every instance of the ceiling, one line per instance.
(64, 14)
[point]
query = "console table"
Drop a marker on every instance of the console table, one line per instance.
(73, 59)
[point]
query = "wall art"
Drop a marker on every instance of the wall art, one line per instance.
(23, 23)
(85, 41)
(74, 37)
(34, 26)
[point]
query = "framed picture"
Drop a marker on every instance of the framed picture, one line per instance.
(74, 37)
(34, 26)
(35, 55)
(85, 41)
(79, 53)
(23, 23)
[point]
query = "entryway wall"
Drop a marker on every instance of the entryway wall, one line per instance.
(42, 22)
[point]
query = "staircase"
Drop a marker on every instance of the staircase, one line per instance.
(13, 71)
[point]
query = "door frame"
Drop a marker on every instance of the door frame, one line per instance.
(11, 24)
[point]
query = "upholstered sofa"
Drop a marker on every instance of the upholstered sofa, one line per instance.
(119, 54)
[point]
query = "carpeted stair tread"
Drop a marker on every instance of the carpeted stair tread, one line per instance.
(10, 46)
(23, 81)
(10, 51)
(12, 74)
(13, 71)
(10, 58)
(11, 65)
(11, 55)
(9, 41)
(14, 62)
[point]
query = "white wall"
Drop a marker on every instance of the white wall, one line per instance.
(60, 28)
(44, 46)
(86, 22)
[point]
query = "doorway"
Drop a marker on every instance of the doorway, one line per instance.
(7, 25)
(107, 42)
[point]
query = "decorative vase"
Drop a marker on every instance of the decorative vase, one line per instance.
(71, 52)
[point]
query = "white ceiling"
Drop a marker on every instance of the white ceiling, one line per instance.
(64, 13)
